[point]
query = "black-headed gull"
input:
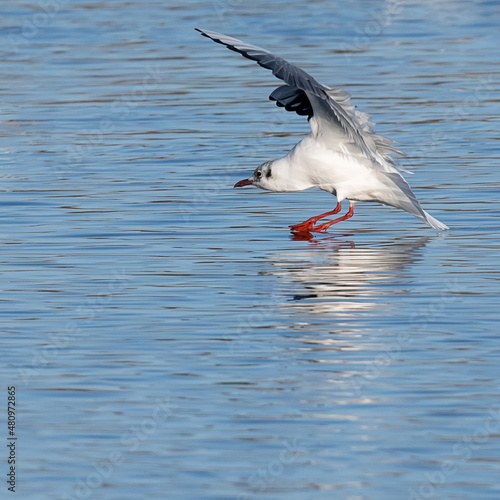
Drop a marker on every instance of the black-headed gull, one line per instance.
(341, 155)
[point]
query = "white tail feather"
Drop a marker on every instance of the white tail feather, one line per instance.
(434, 222)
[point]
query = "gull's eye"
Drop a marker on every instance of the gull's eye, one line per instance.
(258, 174)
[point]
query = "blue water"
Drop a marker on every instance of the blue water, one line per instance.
(167, 337)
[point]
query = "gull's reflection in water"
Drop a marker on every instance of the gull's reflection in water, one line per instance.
(335, 276)
(342, 303)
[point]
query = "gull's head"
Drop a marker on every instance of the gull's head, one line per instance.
(261, 178)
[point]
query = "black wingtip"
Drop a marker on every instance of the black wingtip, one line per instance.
(202, 32)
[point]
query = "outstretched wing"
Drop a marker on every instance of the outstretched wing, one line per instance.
(304, 95)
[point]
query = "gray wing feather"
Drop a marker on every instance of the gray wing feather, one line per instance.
(356, 124)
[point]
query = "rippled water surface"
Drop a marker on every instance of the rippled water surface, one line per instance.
(167, 337)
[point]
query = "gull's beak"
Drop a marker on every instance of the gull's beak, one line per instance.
(244, 182)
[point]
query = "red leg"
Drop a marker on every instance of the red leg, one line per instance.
(326, 225)
(307, 226)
